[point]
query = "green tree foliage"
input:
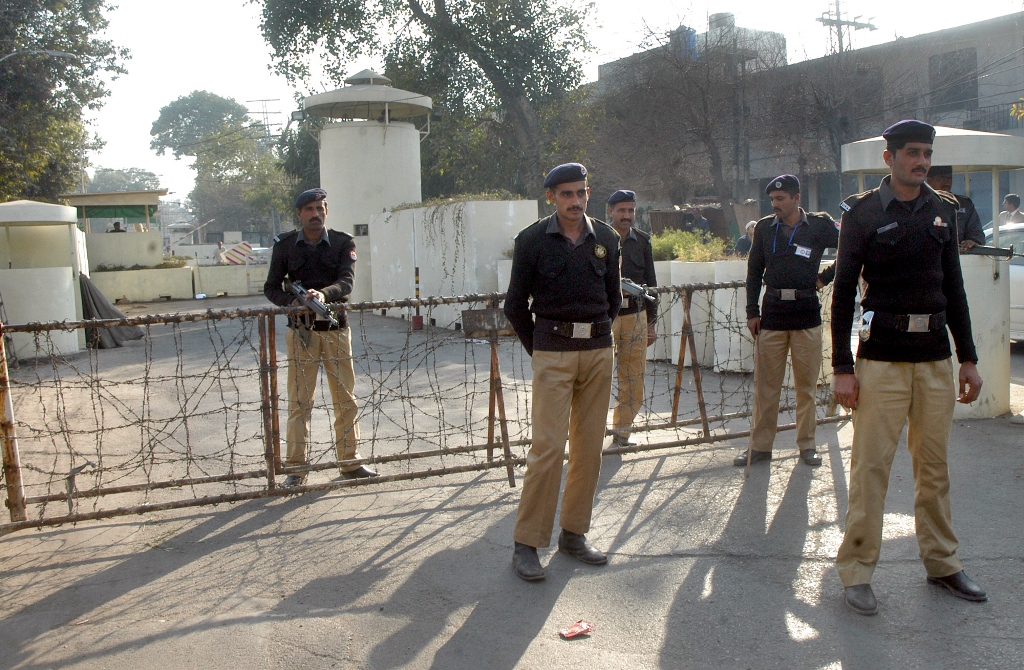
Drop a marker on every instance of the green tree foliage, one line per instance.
(185, 124)
(107, 180)
(42, 138)
(239, 176)
(490, 64)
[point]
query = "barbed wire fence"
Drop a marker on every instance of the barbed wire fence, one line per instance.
(191, 413)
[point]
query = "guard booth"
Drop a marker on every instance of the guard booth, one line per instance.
(133, 208)
(43, 253)
(987, 281)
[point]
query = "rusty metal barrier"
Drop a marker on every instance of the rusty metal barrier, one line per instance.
(79, 421)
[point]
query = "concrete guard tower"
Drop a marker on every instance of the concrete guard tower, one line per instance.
(369, 157)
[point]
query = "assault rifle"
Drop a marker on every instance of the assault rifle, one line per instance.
(637, 291)
(321, 310)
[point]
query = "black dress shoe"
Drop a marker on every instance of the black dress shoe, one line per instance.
(578, 547)
(861, 599)
(810, 457)
(961, 586)
(362, 473)
(292, 481)
(623, 441)
(755, 456)
(526, 564)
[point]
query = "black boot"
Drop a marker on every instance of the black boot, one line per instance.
(578, 547)
(526, 563)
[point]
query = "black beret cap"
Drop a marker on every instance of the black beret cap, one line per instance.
(621, 196)
(940, 171)
(309, 196)
(562, 174)
(910, 130)
(784, 182)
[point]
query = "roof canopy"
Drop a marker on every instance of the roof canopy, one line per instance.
(31, 213)
(132, 206)
(965, 150)
(366, 97)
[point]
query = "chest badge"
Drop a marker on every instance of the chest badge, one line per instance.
(600, 251)
(939, 222)
(352, 254)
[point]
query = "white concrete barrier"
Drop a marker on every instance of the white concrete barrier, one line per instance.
(124, 249)
(700, 312)
(145, 285)
(40, 294)
(734, 350)
(988, 297)
(214, 280)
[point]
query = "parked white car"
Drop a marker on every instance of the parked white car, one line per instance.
(1013, 235)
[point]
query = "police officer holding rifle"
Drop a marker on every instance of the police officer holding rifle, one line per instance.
(312, 266)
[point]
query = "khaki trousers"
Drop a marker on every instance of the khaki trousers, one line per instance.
(890, 394)
(629, 332)
(571, 390)
(333, 350)
(772, 348)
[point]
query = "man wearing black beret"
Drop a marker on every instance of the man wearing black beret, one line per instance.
(323, 261)
(786, 257)
(632, 334)
(901, 237)
(568, 263)
(968, 223)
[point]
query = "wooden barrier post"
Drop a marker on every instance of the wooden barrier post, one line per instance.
(687, 341)
(275, 398)
(265, 405)
(12, 461)
(492, 323)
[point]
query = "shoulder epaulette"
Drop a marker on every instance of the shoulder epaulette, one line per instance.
(642, 234)
(855, 200)
(531, 226)
(948, 198)
(769, 219)
(336, 233)
(285, 235)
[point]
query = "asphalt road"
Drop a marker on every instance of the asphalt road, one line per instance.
(707, 570)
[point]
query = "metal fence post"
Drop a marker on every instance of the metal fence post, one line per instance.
(268, 430)
(12, 461)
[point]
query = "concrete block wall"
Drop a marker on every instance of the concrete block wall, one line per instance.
(124, 249)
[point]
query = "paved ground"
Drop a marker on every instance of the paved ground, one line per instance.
(707, 570)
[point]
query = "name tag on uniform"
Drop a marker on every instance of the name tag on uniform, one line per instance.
(804, 252)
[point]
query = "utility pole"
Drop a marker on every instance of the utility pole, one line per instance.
(837, 23)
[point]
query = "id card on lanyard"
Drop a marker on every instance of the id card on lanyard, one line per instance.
(775, 240)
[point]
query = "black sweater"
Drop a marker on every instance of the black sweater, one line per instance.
(569, 283)
(908, 255)
(781, 263)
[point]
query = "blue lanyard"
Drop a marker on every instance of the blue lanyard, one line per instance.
(791, 236)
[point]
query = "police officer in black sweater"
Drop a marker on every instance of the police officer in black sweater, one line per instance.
(901, 237)
(568, 263)
(786, 256)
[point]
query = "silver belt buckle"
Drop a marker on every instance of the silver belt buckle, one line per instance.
(787, 294)
(581, 331)
(918, 323)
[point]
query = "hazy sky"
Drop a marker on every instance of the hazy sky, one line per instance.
(216, 45)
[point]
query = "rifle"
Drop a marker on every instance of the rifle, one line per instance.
(637, 291)
(321, 310)
(995, 252)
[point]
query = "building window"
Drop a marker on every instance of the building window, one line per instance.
(953, 80)
(362, 229)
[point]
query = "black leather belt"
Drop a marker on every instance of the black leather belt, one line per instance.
(574, 330)
(792, 293)
(910, 323)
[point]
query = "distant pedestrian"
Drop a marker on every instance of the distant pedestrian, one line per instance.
(743, 244)
(117, 228)
(699, 222)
